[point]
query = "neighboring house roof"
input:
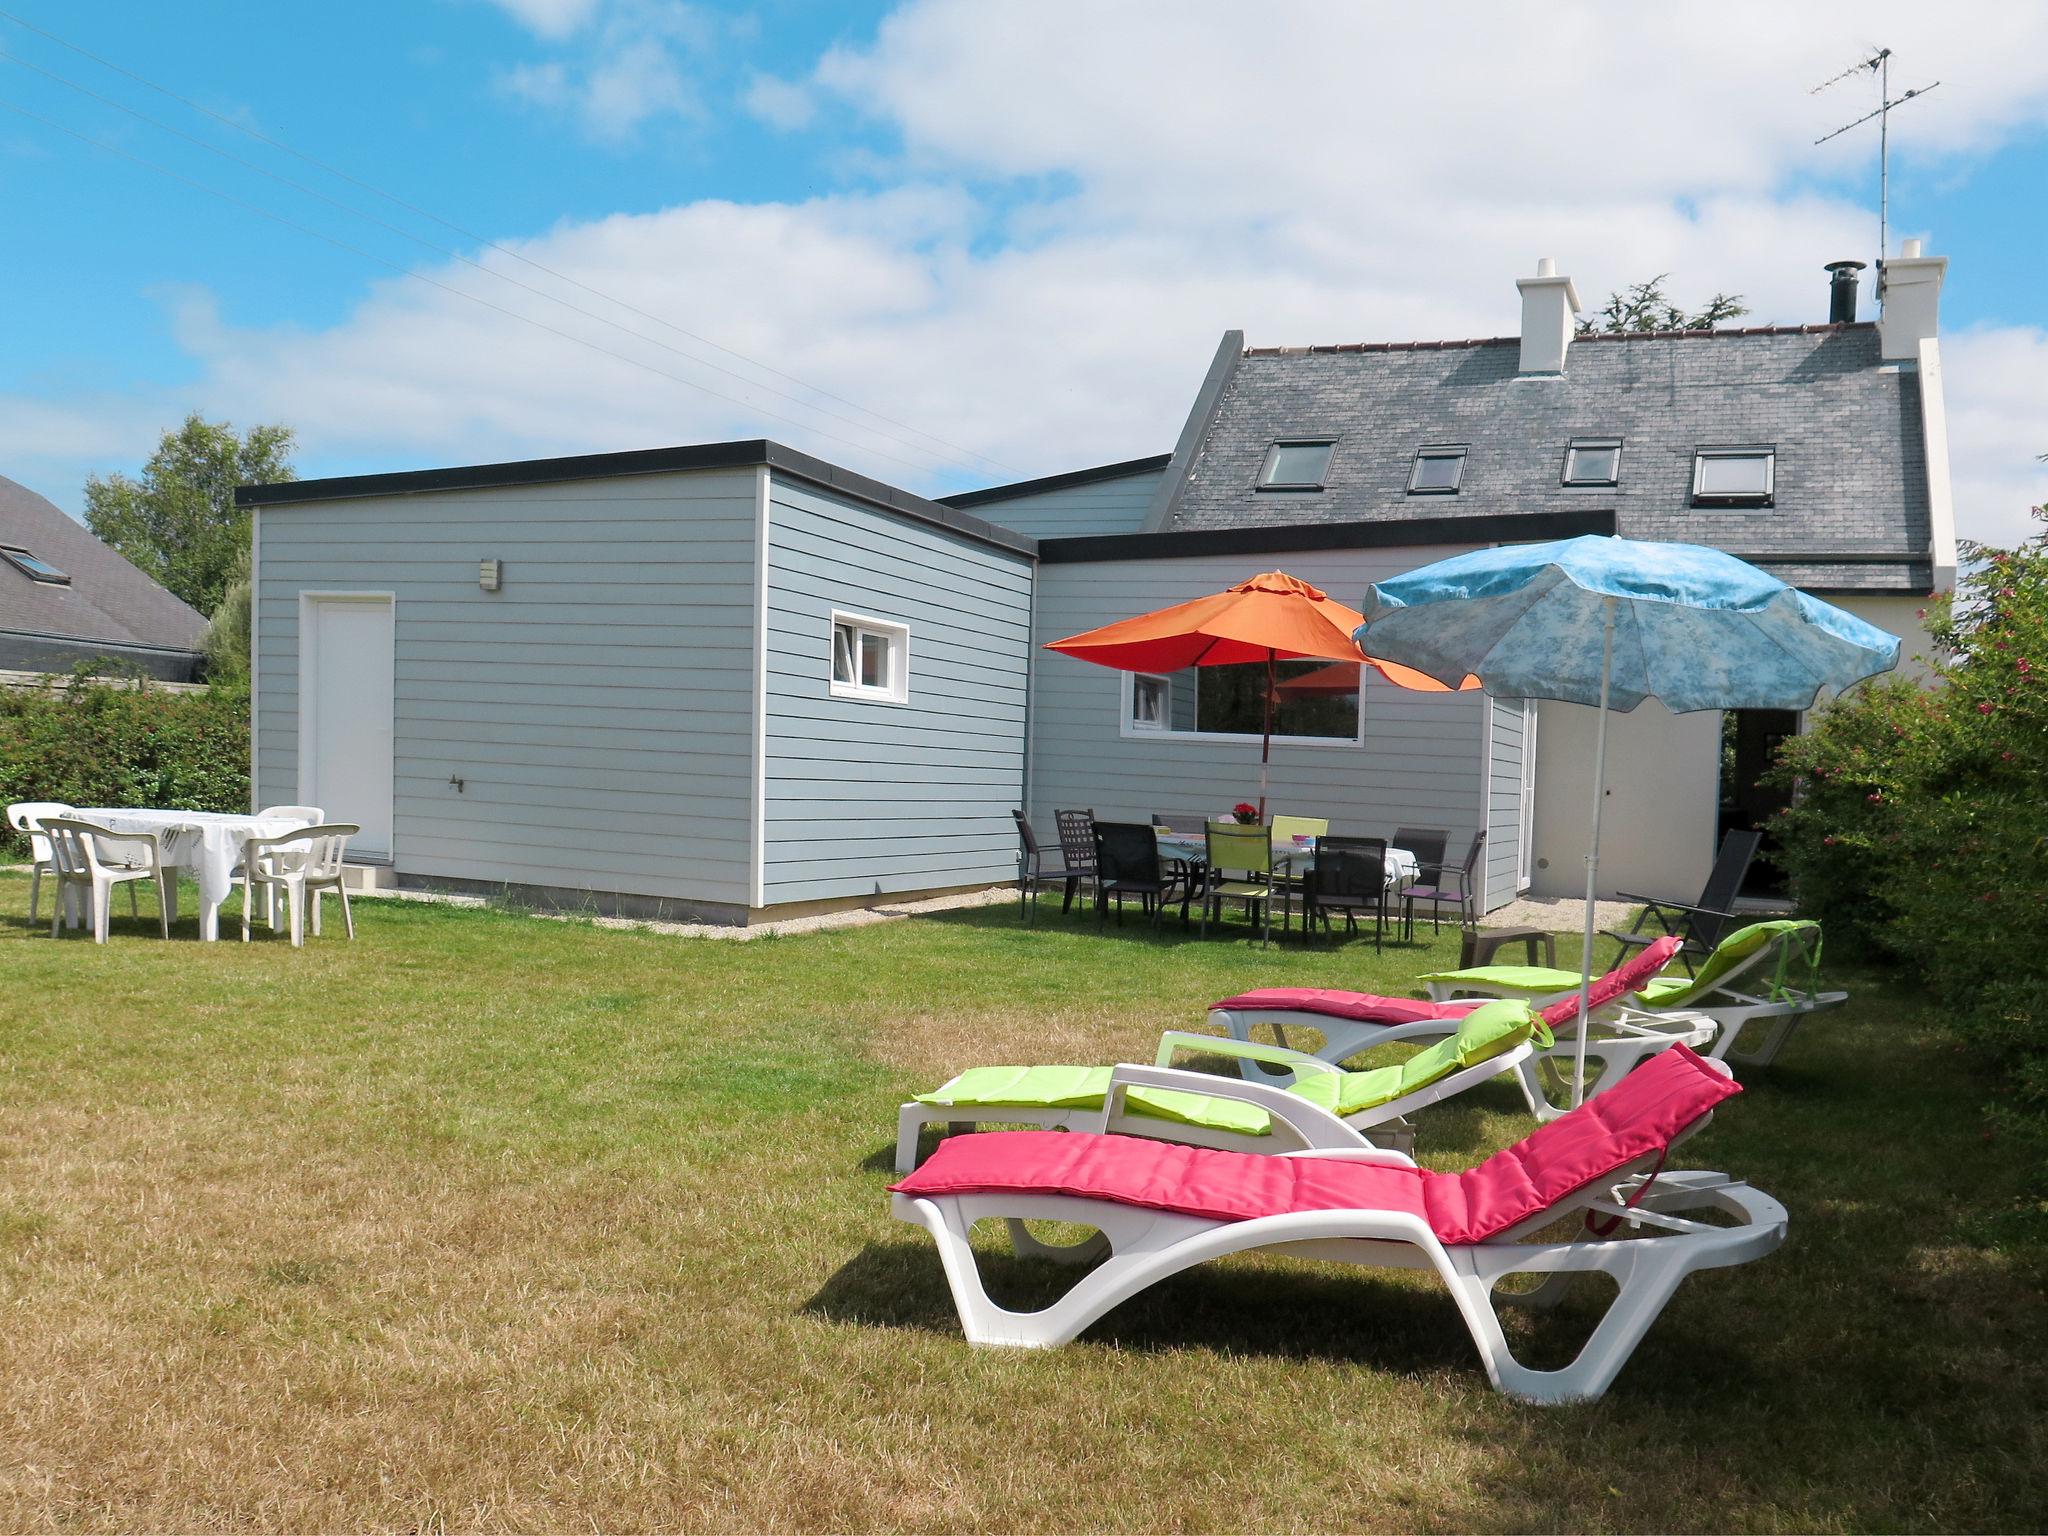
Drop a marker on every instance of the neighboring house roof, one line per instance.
(106, 602)
(1851, 506)
(647, 461)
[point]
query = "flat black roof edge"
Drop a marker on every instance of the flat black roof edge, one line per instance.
(1487, 528)
(742, 454)
(1059, 482)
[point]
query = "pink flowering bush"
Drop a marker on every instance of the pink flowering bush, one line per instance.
(1921, 827)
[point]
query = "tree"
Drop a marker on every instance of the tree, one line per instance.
(1646, 307)
(179, 523)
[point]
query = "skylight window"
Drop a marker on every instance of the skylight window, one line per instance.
(34, 566)
(1593, 461)
(1734, 477)
(1437, 472)
(1297, 464)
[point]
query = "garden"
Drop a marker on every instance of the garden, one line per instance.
(487, 1221)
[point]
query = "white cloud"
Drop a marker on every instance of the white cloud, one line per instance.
(552, 19)
(779, 103)
(1997, 395)
(1311, 174)
(627, 70)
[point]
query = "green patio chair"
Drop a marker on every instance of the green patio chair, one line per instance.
(1240, 860)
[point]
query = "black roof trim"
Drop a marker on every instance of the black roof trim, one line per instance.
(1502, 527)
(742, 454)
(1059, 482)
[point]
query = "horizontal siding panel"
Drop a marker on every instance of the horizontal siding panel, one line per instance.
(862, 796)
(1421, 763)
(609, 682)
(1107, 506)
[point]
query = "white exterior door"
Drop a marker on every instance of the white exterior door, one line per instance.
(346, 667)
(1525, 853)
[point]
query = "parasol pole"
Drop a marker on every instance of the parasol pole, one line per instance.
(1266, 746)
(1593, 856)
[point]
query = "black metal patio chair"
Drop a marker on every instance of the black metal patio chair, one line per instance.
(1699, 925)
(1349, 876)
(1037, 869)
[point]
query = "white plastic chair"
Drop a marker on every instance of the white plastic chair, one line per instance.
(305, 865)
(91, 860)
(26, 816)
(310, 815)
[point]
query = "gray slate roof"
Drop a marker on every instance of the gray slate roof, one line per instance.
(108, 601)
(1851, 484)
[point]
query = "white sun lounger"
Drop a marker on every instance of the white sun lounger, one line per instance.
(1159, 1209)
(1350, 1023)
(1766, 953)
(1337, 1108)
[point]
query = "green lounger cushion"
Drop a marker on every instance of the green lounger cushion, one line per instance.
(1663, 991)
(1536, 980)
(1485, 1032)
(1677, 991)
(1085, 1088)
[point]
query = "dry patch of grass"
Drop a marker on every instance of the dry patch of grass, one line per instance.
(484, 1223)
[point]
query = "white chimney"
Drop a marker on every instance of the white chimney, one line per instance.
(1550, 304)
(1909, 298)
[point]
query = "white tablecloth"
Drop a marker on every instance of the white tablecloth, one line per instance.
(209, 843)
(1402, 868)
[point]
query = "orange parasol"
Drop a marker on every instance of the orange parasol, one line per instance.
(1273, 617)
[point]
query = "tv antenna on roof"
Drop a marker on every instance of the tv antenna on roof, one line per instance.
(1878, 64)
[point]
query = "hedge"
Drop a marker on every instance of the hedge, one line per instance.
(90, 741)
(1920, 828)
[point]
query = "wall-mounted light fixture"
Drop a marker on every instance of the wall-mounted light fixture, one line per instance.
(489, 575)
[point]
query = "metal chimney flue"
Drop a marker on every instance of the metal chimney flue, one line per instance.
(1842, 291)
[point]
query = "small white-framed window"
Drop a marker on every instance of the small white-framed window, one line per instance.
(870, 659)
(1151, 702)
(1297, 464)
(1438, 471)
(1735, 477)
(1593, 461)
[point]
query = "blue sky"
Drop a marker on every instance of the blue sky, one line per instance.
(1014, 232)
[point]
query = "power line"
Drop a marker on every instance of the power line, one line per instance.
(488, 244)
(453, 255)
(419, 277)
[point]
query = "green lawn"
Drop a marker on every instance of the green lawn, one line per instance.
(491, 1222)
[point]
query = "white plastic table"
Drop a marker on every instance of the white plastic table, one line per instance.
(1193, 847)
(209, 843)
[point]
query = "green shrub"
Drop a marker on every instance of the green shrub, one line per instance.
(88, 741)
(1921, 827)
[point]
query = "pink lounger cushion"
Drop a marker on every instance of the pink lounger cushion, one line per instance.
(1371, 1008)
(1617, 983)
(1365, 1007)
(1642, 1114)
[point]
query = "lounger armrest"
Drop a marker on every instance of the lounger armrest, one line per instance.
(1243, 1050)
(1683, 1028)
(1314, 1126)
(1691, 911)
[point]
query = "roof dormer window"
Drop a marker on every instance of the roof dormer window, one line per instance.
(1593, 461)
(1734, 477)
(33, 566)
(1438, 471)
(1297, 464)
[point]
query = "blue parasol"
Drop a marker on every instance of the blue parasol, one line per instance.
(1611, 622)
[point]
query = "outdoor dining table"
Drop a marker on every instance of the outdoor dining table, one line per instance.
(209, 843)
(1288, 856)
